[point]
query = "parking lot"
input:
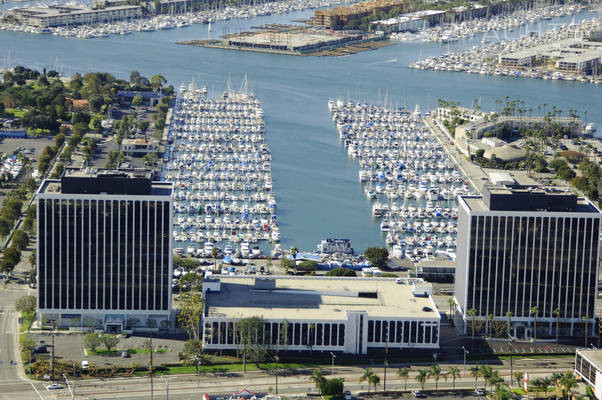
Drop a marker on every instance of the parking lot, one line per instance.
(441, 395)
(69, 346)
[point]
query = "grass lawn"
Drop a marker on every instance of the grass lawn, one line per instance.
(16, 112)
(142, 350)
(103, 352)
(37, 131)
(222, 368)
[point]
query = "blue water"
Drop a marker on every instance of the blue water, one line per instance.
(315, 181)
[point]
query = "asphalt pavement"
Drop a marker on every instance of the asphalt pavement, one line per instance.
(13, 386)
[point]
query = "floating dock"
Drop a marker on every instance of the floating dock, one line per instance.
(295, 40)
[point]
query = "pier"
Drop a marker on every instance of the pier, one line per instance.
(294, 40)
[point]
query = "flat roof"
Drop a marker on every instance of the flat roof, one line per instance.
(317, 298)
(60, 10)
(53, 186)
(476, 203)
(594, 356)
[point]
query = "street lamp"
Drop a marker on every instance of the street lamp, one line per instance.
(465, 353)
(332, 365)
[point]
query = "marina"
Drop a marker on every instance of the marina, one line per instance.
(221, 167)
(518, 58)
(315, 180)
(410, 181)
(451, 32)
(125, 25)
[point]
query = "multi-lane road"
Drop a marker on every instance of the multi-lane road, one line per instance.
(13, 384)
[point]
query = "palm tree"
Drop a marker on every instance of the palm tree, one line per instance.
(294, 252)
(374, 380)
(421, 377)
(454, 373)
(509, 317)
(318, 378)
(475, 371)
(556, 379)
(568, 383)
(518, 376)
(585, 319)
(368, 373)
(472, 313)
(486, 372)
(557, 314)
(490, 319)
(435, 373)
(503, 393)
(533, 312)
(404, 373)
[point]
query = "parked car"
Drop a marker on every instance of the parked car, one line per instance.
(54, 386)
(125, 354)
(418, 394)
(479, 392)
(347, 395)
(85, 365)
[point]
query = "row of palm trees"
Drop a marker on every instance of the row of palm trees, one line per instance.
(472, 313)
(563, 383)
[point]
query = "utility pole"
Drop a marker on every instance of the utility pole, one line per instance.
(166, 390)
(52, 357)
(465, 352)
(151, 363)
(332, 365)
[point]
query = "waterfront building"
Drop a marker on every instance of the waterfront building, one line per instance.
(528, 251)
(331, 246)
(350, 315)
(570, 55)
(104, 250)
(69, 15)
(139, 146)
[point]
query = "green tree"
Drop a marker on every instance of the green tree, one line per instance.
(533, 311)
(486, 372)
(375, 380)
(454, 373)
(318, 379)
(340, 271)
(377, 256)
(193, 353)
(368, 373)
(404, 374)
(20, 240)
(251, 339)
(26, 304)
(475, 371)
(421, 377)
(518, 376)
(191, 311)
(92, 341)
(556, 313)
(435, 373)
(109, 341)
(4, 227)
(472, 313)
(585, 319)
(157, 82)
(10, 259)
(509, 317)
(288, 265)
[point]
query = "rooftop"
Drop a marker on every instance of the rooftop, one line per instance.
(311, 297)
(102, 181)
(594, 356)
(528, 198)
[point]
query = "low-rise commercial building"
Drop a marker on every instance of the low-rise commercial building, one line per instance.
(139, 146)
(350, 315)
(588, 366)
(69, 15)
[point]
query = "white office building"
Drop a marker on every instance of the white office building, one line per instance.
(350, 315)
(104, 251)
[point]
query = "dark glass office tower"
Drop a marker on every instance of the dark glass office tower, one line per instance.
(104, 248)
(529, 252)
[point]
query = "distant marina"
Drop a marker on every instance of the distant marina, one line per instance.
(575, 59)
(407, 174)
(221, 168)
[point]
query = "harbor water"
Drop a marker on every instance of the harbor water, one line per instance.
(314, 179)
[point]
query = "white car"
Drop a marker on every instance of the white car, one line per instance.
(479, 392)
(53, 386)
